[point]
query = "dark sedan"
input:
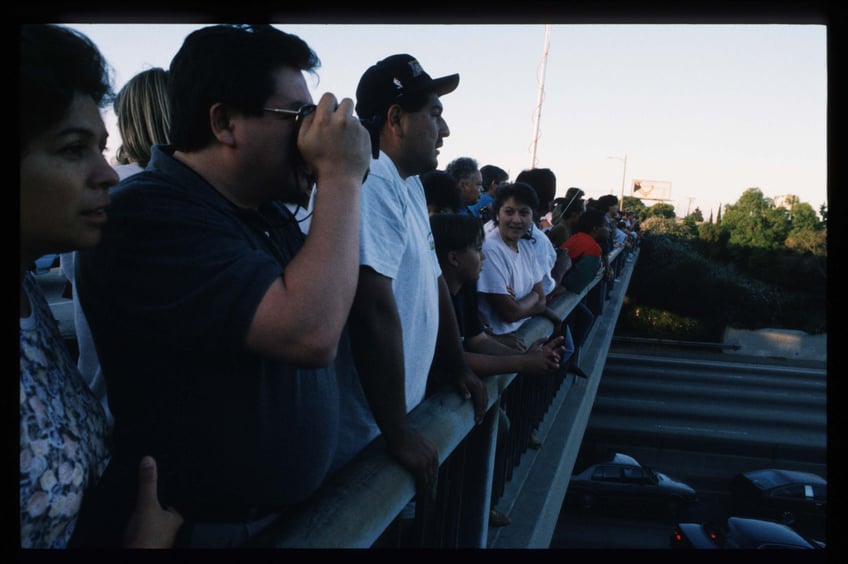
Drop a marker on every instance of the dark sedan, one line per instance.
(797, 499)
(620, 482)
(739, 532)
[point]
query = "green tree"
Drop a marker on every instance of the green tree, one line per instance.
(823, 213)
(690, 225)
(803, 218)
(808, 241)
(661, 210)
(697, 215)
(633, 204)
(712, 241)
(754, 222)
(658, 225)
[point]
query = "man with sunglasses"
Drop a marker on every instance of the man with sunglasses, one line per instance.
(402, 323)
(214, 318)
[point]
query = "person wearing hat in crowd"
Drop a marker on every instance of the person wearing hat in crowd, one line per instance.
(402, 319)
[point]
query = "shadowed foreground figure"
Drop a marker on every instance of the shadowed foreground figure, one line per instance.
(202, 297)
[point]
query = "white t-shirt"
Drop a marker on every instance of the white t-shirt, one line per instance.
(396, 241)
(505, 268)
(546, 255)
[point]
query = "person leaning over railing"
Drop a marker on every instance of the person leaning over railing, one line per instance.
(586, 252)
(576, 325)
(402, 325)
(216, 321)
(511, 280)
(459, 239)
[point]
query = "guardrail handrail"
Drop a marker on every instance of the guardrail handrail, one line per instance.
(356, 505)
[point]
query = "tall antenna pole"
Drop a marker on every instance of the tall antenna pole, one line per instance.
(541, 96)
(623, 175)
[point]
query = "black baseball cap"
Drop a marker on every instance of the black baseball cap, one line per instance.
(389, 80)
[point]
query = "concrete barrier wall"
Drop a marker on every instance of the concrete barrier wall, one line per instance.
(776, 343)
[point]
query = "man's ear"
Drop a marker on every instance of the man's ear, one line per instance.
(393, 118)
(452, 260)
(220, 121)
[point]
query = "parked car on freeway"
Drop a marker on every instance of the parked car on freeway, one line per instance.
(739, 532)
(621, 482)
(797, 499)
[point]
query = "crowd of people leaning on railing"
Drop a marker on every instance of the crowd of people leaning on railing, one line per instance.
(269, 292)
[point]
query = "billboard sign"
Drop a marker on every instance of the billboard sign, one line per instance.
(651, 189)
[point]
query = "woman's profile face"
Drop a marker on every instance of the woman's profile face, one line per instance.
(514, 219)
(64, 179)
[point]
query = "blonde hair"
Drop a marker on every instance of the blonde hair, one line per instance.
(144, 115)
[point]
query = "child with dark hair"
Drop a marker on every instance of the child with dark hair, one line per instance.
(459, 246)
(459, 241)
(441, 192)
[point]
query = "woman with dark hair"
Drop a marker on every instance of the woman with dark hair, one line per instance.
(64, 179)
(510, 285)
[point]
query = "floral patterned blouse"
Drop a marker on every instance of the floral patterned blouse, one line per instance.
(63, 430)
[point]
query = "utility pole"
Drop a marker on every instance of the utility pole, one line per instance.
(541, 96)
(623, 176)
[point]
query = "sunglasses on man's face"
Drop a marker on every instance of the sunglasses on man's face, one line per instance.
(297, 115)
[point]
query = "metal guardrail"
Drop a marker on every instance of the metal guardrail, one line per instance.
(356, 507)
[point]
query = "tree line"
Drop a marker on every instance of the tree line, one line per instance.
(755, 265)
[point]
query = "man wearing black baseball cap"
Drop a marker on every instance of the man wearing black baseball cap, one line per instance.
(398, 79)
(402, 320)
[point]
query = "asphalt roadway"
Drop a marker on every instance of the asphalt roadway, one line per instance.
(631, 529)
